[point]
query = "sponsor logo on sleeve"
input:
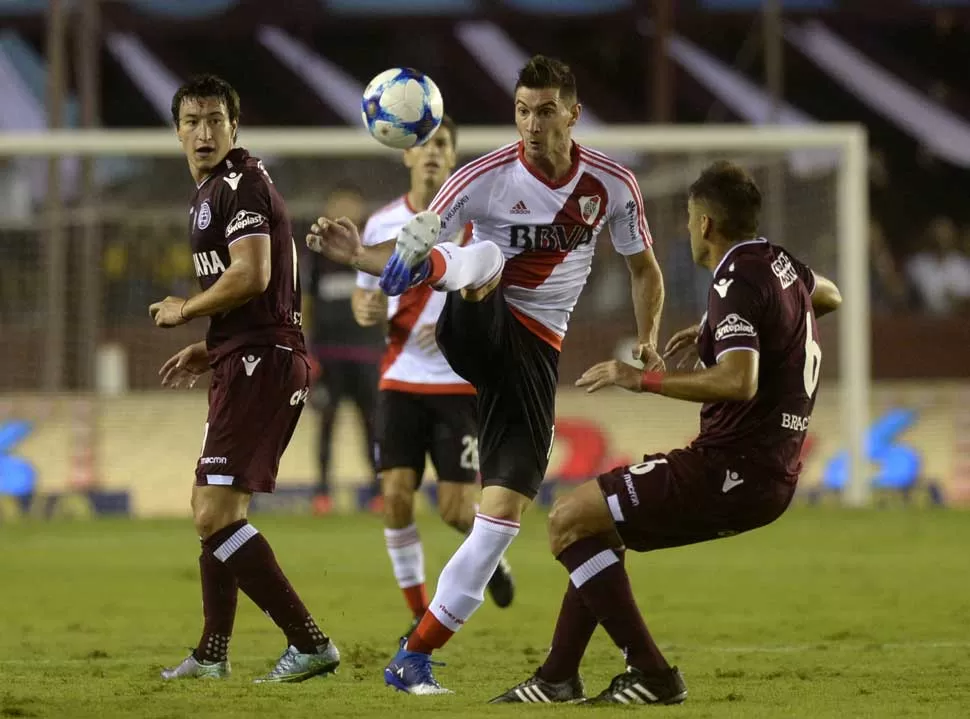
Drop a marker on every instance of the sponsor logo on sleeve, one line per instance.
(242, 220)
(734, 325)
(784, 270)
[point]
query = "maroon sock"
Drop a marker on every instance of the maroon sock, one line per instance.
(601, 580)
(249, 557)
(219, 593)
(574, 629)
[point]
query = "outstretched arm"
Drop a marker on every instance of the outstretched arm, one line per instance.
(339, 241)
(733, 378)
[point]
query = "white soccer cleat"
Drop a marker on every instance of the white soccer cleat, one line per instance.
(409, 264)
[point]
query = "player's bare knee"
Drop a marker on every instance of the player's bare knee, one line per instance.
(398, 490)
(455, 513)
(565, 524)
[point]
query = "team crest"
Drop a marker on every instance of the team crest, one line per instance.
(589, 208)
(204, 217)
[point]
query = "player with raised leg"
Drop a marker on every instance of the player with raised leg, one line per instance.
(245, 260)
(423, 407)
(537, 207)
(758, 344)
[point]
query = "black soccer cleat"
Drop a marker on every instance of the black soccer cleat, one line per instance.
(501, 586)
(536, 690)
(635, 687)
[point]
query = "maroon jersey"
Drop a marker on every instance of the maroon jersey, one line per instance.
(760, 301)
(239, 200)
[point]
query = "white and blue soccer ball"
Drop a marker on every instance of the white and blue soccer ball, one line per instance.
(402, 108)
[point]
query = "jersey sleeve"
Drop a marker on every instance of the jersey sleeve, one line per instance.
(734, 315)
(374, 234)
(804, 273)
(247, 206)
(461, 200)
(627, 220)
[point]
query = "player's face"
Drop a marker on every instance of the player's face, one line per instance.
(699, 227)
(205, 132)
(432, 162)
(544, 121)
(345, 204)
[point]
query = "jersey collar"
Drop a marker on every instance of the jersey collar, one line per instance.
(565, 180)
(732, 248)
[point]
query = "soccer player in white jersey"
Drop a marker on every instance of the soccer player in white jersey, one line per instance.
(537, 207)
(423, 407)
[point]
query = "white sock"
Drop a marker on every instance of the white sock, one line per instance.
(468, 267)
(407, 555)
(461, 586)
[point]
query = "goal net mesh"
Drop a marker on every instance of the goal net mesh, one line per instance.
(83, 366)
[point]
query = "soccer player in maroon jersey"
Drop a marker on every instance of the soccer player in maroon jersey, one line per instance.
(758, 345)
(245, 259)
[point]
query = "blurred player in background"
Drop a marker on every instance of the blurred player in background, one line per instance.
(758, 345)
(347, 354)
(537, 207)
(245, 259)
(424, 407)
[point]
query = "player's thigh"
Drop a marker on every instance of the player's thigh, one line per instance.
(517, 415)
(470, 334)
(403, 432)
(680, 498)
(454, 437)
(456, 503)
(215, 507)
(259, 397)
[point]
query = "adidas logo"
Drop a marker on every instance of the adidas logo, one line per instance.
(519, 208)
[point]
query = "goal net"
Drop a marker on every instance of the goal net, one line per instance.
(80, 355)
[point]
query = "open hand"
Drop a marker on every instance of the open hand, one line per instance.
(185, 367)
(684, 342)
(337, 240)
(611, 373)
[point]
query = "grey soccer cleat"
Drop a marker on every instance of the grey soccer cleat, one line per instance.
(192, 668)
(536, 690)
(635, 687)
(295, 666)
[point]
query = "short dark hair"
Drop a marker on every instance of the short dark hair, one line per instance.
(207, 86)
(543, 72)
(451, 126)
(733, 198)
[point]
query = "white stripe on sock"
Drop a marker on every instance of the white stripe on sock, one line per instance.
(238, 538)
(407, 555)
(593, 566)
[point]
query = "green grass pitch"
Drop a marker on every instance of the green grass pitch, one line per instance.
(827, 613)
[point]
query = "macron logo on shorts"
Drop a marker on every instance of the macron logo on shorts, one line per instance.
(249, 364)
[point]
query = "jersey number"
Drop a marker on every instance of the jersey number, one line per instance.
(469, 453)
(646, 467)
(813, 359)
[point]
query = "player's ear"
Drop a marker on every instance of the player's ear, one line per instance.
(235, 131)
(574, 113)
(707, 226)
(407, 157)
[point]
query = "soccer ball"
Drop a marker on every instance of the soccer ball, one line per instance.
(402, 108)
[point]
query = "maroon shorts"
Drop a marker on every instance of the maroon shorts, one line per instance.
(690, 495)
(256, 396)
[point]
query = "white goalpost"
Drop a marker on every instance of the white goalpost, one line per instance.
(847, 186)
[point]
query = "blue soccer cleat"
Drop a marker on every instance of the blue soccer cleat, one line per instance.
(409, 265)
(411, 672)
